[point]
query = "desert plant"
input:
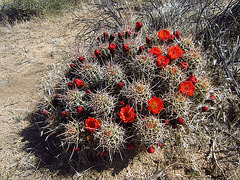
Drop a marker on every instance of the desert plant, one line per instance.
(129, 90)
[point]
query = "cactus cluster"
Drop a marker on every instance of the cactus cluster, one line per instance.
(129, 90)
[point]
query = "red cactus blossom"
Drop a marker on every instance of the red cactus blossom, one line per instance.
(172, 37)
(162, 62)
(175, 52)
(101, 154)
(70, 84)
(187, 88)
(127, 34)
(148, 41)
(184, 66)
(141, 49)
(193, 79)
(166, 122)
(155, 51)
(92, 124)
(112, 47)
(80, 109)
(155, 105)
(58, 95)
(177, 34)
(180, 120)
(77, 149)
(138, 26)
(99, 38)
(164, 35)
(121, 103)
(44, 112)
(88, 92)
(125, 48)
(127, 114)
(160, 144)
(81, 59)
(120, 85)
(65, 113)
(212, 97)
(72, 65)
(204, 109)
(151, 149)
(79, 83)
(98, 53)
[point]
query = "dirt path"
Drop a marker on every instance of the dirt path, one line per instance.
(27, 51)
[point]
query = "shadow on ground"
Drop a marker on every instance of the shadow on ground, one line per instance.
(51, 156)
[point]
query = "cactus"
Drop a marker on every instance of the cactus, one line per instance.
(129, 89)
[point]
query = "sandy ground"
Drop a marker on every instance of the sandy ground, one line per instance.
(28, 50)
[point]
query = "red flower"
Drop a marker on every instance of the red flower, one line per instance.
(138, 26)
(99, 38)
(120, 85)
(44, 112)
(92, 124)
(79, 83)
(120, 35)
(160, 144)
(58, 96)
(184, 66)
(88, 92)
(175, 52)
(127, 34)
(204, 109)
(187, 88)
(77, 149)
(112, 47)
(72, 65)
(156, 52)
(70, 84)
(121, 103)
(101, 154)
(212, 97)
(127, 114)
(177, 34)
(148, 41)
(151, 149)
(166, 122)
(65, 113)
(193, 79)
(80, 110)
(164, 35)
(172, 37)
(98, 53)
(125, 48)
(81, 59)
(180, 121)
(162, 61)
(155, 105)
